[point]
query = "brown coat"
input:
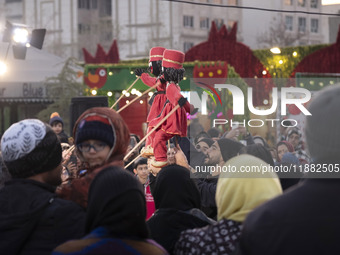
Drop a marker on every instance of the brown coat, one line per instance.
(77, 190)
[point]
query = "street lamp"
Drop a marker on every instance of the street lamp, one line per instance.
(20, 37)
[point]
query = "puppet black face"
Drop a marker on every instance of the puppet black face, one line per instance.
(173, 75)
(155, 67)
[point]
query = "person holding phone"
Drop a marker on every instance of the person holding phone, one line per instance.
(101, 139)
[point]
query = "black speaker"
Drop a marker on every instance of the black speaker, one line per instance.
(81, 104)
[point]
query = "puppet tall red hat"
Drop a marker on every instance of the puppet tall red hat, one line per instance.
(173, 59)
(156, 53)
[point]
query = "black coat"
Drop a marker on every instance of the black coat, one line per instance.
(166, 225)
(207, 188)
(63, 137)
(178, 204)
(304, 220)
(34, 221)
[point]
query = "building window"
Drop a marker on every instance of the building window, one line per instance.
(302, 25)
(314, 25)
(288, 2)
(302, 3)
(188, 21)
(84, 29)
(14, 17)
(94, 4)
(314, 3)
(187, 46)
(95, 28)
(84, 4)
(105, 30)
(302, 42)
(289, 23)
(105, 8)
(219, 23)
(204, 23)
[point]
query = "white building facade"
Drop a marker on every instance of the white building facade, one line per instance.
(138, 25)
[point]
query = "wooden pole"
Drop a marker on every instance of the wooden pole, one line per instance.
(132, 161)
(146, 91)
(153, 130)
(70, 150)
(126, 91)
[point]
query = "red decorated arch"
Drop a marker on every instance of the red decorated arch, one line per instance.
(325, 60)
(223, 46)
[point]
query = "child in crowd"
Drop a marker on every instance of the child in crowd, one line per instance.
(57, 124)
(141, 170)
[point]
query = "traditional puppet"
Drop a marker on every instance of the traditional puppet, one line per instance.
(176, 124)
(158, 99)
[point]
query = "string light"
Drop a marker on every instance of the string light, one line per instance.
(275, 50)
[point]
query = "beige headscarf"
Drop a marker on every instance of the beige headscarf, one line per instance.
(237, 194)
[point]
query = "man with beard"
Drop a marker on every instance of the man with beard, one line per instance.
(218, 153)
(32, 219)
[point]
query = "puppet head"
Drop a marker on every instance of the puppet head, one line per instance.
(172, 65)
(155, 60)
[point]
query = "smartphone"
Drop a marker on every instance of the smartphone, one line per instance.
(73, 159)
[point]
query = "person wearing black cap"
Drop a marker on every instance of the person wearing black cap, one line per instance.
(32, 219)
(218, 153)
(203, 145)
(115, 221)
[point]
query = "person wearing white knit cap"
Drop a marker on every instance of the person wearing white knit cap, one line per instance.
(32, 219)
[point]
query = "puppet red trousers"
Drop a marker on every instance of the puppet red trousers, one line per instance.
(176, 124)
(159, 99)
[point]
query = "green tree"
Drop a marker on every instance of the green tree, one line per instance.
(61, 89)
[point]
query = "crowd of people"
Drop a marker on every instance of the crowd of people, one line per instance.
(77, 195)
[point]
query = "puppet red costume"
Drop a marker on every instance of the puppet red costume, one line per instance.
(158, 100)
(176, 124)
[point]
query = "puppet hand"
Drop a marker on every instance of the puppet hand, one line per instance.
(194, 111)
(182, 101)
(139, 71)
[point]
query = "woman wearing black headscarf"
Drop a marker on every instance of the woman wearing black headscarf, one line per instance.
(115, 220)
(178, 203)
